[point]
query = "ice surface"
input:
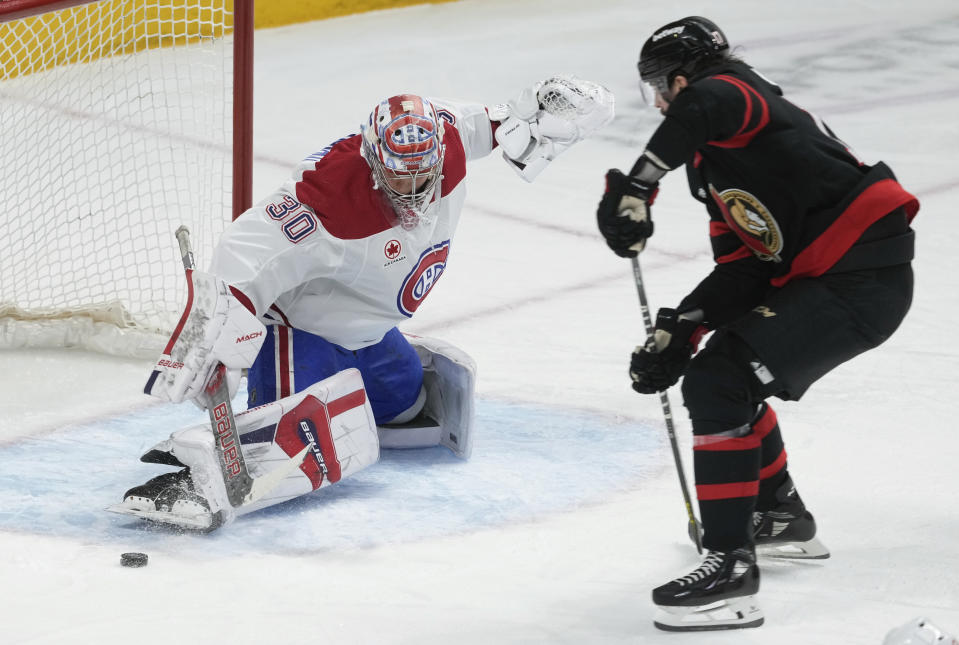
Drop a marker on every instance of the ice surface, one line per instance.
(570, 511)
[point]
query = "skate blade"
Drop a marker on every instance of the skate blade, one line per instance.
(199, 522)
(732, 613)
(810, 550)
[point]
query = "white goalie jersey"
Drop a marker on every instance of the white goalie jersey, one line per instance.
(343, 252)
(326, 253)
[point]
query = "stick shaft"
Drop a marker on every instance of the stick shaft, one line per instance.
(694, 531)
(226, 437)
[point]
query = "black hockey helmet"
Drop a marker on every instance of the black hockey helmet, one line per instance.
(681, 47)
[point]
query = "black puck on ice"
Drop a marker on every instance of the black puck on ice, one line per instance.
(134, 559)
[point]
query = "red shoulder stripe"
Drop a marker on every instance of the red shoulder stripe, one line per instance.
(744, 135)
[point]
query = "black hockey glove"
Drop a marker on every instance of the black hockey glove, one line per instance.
(666, 355)
(623, 214)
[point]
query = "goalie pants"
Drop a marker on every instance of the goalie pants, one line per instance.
(799, 333)
(291, 360)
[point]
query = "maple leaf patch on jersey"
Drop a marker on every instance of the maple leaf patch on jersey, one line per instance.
(420, 281)
(392, 249)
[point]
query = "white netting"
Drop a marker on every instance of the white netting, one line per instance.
(116, 122)
(577, 100)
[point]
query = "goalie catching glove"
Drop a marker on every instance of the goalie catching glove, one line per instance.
(659, 364)
(218, 326)
(547, 119)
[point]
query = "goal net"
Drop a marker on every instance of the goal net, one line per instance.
(118, 124)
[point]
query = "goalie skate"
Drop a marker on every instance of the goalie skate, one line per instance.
(169, 499)
(787, 531)
(719, 594)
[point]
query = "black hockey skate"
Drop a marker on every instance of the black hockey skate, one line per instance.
(171, 499)
(719, 594)
(787, 530)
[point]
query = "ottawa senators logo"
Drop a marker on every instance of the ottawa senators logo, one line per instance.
(751, 221)
(421, 279)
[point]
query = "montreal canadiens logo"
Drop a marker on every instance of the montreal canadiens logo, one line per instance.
(392, 249)
(421, 279)
(413, 131)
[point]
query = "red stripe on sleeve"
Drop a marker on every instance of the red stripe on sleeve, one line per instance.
(738, 254)
(718, 228)
(244, 300)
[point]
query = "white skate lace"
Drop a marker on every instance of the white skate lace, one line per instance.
(709, 566)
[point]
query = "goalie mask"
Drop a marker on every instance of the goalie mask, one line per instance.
(403, 144)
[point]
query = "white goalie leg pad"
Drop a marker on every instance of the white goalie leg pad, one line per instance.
(449, 380)
(333, 417)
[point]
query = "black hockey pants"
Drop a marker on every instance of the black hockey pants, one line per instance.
(798, 334)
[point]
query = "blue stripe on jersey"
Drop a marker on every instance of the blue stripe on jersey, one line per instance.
(316, 156)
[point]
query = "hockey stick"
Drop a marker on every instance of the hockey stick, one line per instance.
(241, 488)
(694, 530)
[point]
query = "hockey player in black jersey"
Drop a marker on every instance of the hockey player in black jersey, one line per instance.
(812, 252)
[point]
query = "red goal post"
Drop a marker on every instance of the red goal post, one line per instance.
(120, 120)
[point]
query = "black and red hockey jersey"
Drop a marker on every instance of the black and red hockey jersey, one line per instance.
(787, 199)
